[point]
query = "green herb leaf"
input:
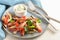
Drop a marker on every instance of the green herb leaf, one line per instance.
(11, 20)
(29, 22)
(32, 27)
(39, 21)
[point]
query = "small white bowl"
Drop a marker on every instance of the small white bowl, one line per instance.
(20, 10)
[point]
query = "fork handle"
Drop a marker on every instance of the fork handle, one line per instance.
(52, 19)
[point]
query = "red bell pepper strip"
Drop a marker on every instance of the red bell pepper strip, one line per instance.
(22, 19)
(12, 29)
(22, 32)
(39, 30)
(16, 23)
(6, 19)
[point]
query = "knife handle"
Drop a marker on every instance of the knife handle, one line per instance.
(52, 19)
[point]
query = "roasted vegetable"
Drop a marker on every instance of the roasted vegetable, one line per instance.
(38, 27)
(22, 25)
(10, 16)
(22, 33)
(26, 29)
(16, 23)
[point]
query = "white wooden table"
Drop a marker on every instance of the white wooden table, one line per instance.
(52, 7)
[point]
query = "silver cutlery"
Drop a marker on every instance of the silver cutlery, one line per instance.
(32, 8)
(49, 17)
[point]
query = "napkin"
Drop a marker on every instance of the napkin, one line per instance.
(2, 34)
(11, 3)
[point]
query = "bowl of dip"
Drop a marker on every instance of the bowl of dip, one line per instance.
(20, 10)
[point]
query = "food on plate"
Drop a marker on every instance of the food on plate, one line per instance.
(20, 10)
(23, 25)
